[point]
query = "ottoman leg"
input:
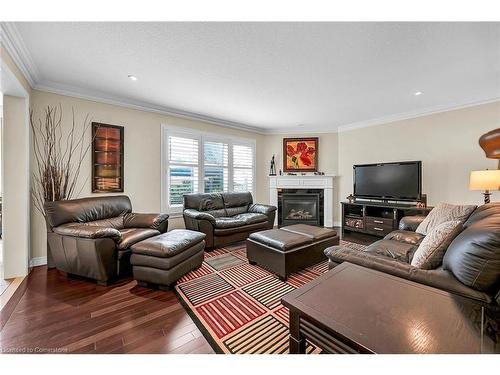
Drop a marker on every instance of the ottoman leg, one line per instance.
(142, 283)
(252, 262)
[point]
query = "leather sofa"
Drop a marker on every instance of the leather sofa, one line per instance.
(91, 237)
(471, 264)
(226, 217)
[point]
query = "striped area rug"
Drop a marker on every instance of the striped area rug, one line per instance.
(238, 306)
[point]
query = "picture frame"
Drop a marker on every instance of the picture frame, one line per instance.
(300, 154)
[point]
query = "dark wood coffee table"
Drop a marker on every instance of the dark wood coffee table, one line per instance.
(352, 309)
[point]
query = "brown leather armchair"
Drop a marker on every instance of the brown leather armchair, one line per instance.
(91, 237)
(226, 217)
(471, 264)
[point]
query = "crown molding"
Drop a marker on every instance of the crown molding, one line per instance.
(16, 48)
(413, 114)
(100, 97)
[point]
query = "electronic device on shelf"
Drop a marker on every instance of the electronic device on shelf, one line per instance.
(396, 181)
(383, 194)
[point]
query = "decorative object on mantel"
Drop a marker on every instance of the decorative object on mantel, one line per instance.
(490, 143)
(272, 169)
(281, 173)
(300, 154)
(58, 158)
(485, 180)
(107, 158)
(319, 173)
(351, 198)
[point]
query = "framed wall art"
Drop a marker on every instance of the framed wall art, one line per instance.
(300, 154)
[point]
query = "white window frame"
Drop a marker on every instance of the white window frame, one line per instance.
(202, 136)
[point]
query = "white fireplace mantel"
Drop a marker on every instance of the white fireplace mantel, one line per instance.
(324, 182)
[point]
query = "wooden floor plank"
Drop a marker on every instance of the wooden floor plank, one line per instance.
(79, 316)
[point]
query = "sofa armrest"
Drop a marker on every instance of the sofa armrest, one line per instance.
(262, 209)
(198, 215)
(87, 231)
(437, 278)
(410, 223)
(153, 221)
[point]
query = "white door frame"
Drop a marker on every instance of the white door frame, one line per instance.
(16, 228)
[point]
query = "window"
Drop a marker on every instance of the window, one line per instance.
(197, 162)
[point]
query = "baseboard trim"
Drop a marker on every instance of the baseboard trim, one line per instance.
(40, 261)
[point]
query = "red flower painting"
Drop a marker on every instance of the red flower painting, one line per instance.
(301, 154)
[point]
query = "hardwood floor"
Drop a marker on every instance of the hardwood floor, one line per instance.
(64, 315)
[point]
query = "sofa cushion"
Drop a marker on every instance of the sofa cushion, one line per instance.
(280, 239)
(474, 256)
(168, 244)
(112, 222)
(87, 231)
(243, 228)
(229, 222)
(401, 251)
(430, 252)
(482, 212)
(251, 218)
(210, 202)
(237, 199)
(131, 236)
(442, 213)
(405, 236)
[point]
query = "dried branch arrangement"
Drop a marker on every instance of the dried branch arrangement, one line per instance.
(58, 157)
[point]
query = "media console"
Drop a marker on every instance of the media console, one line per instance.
(376, 218)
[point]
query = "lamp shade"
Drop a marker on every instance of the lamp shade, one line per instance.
(485, 180)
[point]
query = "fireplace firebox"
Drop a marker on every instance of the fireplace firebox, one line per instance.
(300, 206)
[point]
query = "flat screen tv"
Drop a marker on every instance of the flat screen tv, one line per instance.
(401, 181)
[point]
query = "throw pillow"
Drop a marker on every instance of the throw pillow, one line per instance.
(442, 213)
(430, 252)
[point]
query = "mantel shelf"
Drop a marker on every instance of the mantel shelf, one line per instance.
(303, 176)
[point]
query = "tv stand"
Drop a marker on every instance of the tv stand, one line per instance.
(376, 218)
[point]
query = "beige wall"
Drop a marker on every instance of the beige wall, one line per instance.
(447, 144)
(142, 152)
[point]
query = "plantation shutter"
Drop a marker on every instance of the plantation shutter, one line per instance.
(243, 171)
(183, 155)
(215, 166)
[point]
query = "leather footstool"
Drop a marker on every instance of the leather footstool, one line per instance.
(162, 260)
(290, 249)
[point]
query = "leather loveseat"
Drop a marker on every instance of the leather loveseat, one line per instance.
(471, 264)
(91, 237)
(226, 217)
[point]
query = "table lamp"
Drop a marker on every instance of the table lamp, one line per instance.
(485, 180)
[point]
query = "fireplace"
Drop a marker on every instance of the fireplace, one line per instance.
(300, 206)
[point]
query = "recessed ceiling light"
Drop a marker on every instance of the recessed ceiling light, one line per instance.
(300, 125)
(132, 77)
(418, 93)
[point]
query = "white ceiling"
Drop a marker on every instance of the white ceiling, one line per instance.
(273, 76)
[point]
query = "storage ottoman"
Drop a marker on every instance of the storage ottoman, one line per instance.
(290, 249)
(162, 260)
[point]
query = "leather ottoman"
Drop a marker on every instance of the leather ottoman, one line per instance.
(162, 260)
(290, 249)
